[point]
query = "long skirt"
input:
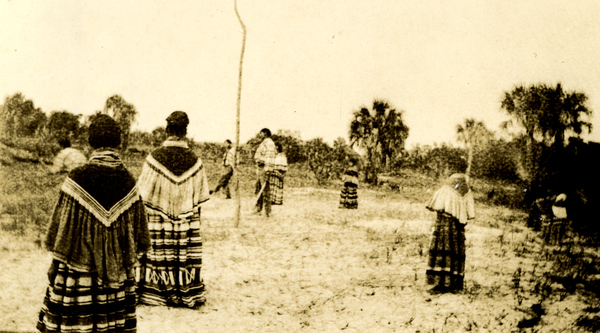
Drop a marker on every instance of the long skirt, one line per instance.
(276, 188)
(74, 302)
(447, 253)
(349, 196)
(170, 273)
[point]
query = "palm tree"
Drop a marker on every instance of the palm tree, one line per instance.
(547, 114)
(380, 132)
(471, 133)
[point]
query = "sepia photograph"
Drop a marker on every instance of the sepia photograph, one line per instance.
(299, 166)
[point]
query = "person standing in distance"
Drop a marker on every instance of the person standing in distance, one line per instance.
(228, 165)
(454, 206)
(265, 162)
(68, 158)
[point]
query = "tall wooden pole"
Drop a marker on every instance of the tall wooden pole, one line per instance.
(237, 126)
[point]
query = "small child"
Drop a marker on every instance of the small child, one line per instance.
(349, 195)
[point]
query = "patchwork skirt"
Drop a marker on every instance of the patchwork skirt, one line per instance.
(74, 302)
(447, 253)
(349, 196)
(170, 274)
(276, 188)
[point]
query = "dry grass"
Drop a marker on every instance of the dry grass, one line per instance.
(314, 267)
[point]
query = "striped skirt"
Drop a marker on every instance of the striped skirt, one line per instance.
(349, 196)
(447, 253)
(74, 302)
(170, 274)
(276, 188)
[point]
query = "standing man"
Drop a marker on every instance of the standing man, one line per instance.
(228, 163)
(265, 161)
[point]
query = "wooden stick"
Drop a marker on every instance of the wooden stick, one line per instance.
(237, 127)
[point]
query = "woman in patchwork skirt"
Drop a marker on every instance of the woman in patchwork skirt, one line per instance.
(454, 206)
(276, 180)
(96, 233)
(173, 185)
(349, 195)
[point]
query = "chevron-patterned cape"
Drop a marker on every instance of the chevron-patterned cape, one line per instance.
(173, 185)
(97, 232)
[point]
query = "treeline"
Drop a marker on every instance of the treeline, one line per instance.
(539, 149)
(28, 133)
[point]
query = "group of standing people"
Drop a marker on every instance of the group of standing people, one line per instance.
(271, 166)
(116, 242)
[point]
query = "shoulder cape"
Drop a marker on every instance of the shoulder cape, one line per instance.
(171, 185)
(99, 223)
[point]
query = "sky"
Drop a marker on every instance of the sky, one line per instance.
(308, 64)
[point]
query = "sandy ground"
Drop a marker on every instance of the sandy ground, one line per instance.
(314, 267)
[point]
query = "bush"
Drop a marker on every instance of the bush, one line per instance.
(30, 149)
(497, 160)
(325, 162)
(294, 148)
(436, 161)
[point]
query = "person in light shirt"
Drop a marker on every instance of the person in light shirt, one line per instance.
(228, 165)
(276, 180)
(68, 158)
(265, 163)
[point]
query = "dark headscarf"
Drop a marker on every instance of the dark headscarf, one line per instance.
(177, 123)
(178, 119)
(104, 132)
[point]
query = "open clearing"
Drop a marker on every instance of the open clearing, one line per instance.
(314, 267)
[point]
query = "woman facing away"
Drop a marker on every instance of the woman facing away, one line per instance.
(349, 195)
(96, 233)
(173, 185)
(454, 206)
(276, 181)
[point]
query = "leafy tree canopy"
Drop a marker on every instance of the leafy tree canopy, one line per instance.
(63, 124)
(547, 114)
(19, 117)
(124, 114)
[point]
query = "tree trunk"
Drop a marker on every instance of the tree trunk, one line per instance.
(469, 160)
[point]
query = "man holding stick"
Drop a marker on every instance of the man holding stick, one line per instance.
(265, 161)
(228, 165)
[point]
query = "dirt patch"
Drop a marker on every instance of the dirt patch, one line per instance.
(314, 267)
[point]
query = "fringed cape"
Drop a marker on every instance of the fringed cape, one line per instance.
(454, 198)
(99, 223)
(173, 181)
